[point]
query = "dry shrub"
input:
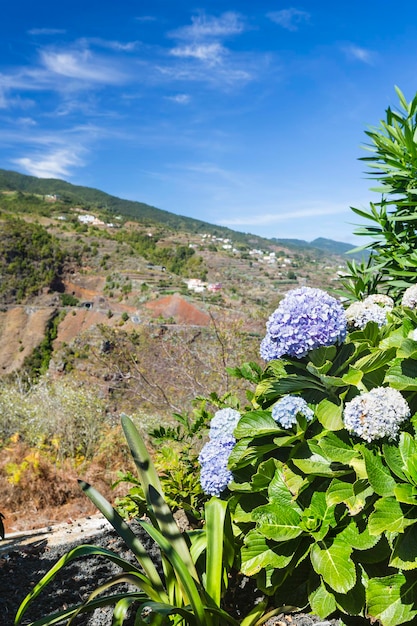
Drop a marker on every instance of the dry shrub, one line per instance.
(38, 490)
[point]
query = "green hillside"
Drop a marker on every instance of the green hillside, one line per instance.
(92, 199)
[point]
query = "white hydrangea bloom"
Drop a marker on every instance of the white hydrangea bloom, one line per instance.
(376, 414)
(409, 298)
(359, 314)
(381, 299)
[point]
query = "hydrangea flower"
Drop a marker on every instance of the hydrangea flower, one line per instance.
(223, 423)
(376, 414)
(306, 319)
(359, 314)
(286, 409)
(381, 299)
(213, 458)
(409, 298)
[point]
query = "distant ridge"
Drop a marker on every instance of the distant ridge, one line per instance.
(328, 246)
(92, 199)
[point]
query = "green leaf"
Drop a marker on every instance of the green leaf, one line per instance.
(352, 495)
(393, 459)
(403, 375)
(321, 601)
(406, 493)
(334, 564)
(329, 415)
(277, 522)
(388, 517)
(279, 492)
(379, 476)
(357, 535)
(256, 423)
(391, 599)
(336, 449)
(404, 555)
(376, 360)
(408, 450)
(257, 553)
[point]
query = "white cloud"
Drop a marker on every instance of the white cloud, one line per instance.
(82, 66)
(211, 53)
(55, 164)
(289, 18)
(46, 31)
(202, 27)
(274, 218)
(359, 54)
(180, 98)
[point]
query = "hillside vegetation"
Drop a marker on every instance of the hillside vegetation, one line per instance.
(115, 300)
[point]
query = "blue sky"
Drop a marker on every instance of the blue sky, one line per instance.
(245, 114)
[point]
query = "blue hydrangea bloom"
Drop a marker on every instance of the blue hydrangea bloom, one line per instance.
(213, 458)
(223, 423)
(376, 414)
(285, 410)
(306, 319)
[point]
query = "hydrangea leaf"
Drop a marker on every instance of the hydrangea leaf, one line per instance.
(404, 555)
(393, 459)
(334, 564)
(352, 601)
(406, 493)
(403, 375)
(379, 476)
(376, 360)
(336, 449)
(313, 463)
(277, 522)
(278, 490)
(257, 553)
(322, 355)
(353, 376)
(391, 599)
(329, 415)
(407, 349)
(322, 602)
(408, 451)
(317, 518)
(358, 538)
(388, 517)
(264, 475)
(256, 423)
(352, 495)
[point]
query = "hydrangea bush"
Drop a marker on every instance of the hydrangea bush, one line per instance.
(322, 479)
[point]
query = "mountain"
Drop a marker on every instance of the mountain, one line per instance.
(91, 199)
(328, 246)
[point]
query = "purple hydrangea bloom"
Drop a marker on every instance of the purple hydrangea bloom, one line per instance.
(376, 414)
(213, 458)
(306, 319)
(223, 423)
(285, 411)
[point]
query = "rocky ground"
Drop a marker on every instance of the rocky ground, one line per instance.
(25, 557)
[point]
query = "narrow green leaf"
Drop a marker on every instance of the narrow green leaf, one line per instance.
(125, 532)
